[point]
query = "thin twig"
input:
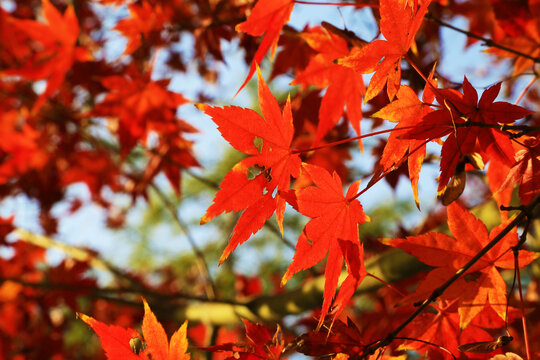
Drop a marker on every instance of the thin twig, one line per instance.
(486, 41)
(76, 253)
(533, 80)
(276, 231)
(201, 262)
(515, 250)
(101, 292)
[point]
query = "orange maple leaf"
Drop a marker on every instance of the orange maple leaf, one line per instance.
(20, 149)
(406, 110)
(259, 344)
(525, 171)
(399, 24)
(144, 19)
(141, 105)
(441, 318)
(251, 182)
(482, 284)
(58, 37)
(344, 85)
(118, 342)
(333, 230)
(267, 17)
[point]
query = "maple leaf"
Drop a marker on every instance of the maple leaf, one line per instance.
(342, 337)
(399, 24)
(440, 319)
(118, 341)
(20, 150)
(95, 168)
(461, 119)
(496, 174)
(58, 38)
(294, 55)
(344, 85)
(114, 339)
(406, 110)
(517, 26)
(144, 20)
(259, 344)
(333, 230)
(141, 105)
(481, 18)
(525, 171)
(482, 284)
(156, 339)
(267, 17)
(251, 182)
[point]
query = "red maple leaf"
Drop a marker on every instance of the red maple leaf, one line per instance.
(121, 343)
(342, 337)
(344, 85)
(20, 150)
(141, 105)
(525, 171)
(333, 230)
(482, 284)
(399, 24)
(144, 20)
(251, 182)
(437, 320)
(114, 339)
(406, 110)
(267, 17)
(58, 38)
(516, 26)
(461, 119)
(259, 344)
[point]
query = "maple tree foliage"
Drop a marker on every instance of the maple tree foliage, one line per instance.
(99, 111)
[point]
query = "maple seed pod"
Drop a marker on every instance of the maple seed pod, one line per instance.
(136, 345)
(486, 346)
(475, 159)
(454, 189)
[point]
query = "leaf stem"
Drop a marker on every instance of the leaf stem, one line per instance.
(386, 284)
(533, 80)
(410, 62)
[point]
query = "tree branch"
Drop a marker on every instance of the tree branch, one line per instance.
(439, 291)
(486, 41)
(391, 266)
(201, 261)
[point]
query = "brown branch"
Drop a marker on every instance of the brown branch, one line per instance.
(209, 285)
(486, 41)
(103, 292)
(76, 253)
(439, 291)
(392, 266)
(504, 127)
